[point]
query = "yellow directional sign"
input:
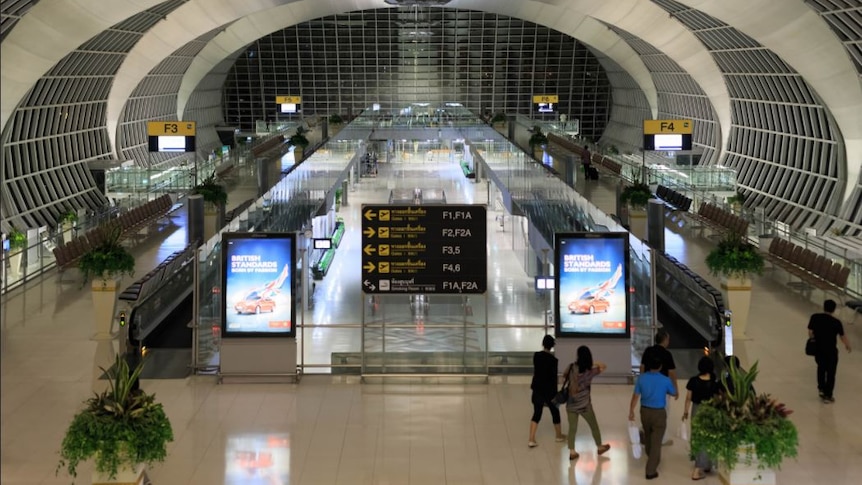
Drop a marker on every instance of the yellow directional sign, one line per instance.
(171, 128)
(288, 100)
(546, 98)
(370, 215)
(383, 267)
(369, 249)
(660, 127)
(369, 267)
(383, 249)
(369, 232)
(384, 215)
(383, 232)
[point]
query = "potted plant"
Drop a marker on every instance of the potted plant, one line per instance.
(734, 260)
(335, 119)
(105, 264)
(537, 138)
(212, 191)
(337, 199)
(498, 119)
(299, 142)
(746, 433)
(636, 195)
(736, 200)
(121, 430)
(67, 222)
(17, 245)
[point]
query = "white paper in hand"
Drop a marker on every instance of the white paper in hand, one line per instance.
(683, 431)
(637, 451)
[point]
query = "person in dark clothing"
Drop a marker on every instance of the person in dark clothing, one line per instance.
(701, 387)
(727, 381)
(586, 160)
(660, 352)
(544, 388)
(652, 388)
(825, 329)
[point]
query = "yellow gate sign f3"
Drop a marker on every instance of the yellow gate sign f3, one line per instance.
(171, 128)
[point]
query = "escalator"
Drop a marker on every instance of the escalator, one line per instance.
(691, 310)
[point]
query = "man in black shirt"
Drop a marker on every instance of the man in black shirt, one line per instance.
(660, 352)
(825, 329)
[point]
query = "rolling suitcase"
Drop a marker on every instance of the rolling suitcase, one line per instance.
(592, 173)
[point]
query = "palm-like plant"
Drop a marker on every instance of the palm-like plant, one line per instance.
(212, 191)
(537, 138)
(737, 417)
(636, 195)
(298, 139)
(108, 260)
(119, 428)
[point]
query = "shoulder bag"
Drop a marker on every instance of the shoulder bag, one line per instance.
(811, 347)
(562, 396)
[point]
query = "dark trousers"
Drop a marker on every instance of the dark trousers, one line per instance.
(539, 403)
(654, 422)
(827, 365)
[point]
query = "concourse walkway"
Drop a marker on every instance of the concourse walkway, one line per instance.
(330, 429)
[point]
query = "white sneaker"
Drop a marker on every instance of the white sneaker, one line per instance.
(532, 444)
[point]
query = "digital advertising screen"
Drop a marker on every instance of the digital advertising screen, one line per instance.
(257, 282)
(591, 282)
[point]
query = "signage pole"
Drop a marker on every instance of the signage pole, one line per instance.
(195, 310)
(653, 264)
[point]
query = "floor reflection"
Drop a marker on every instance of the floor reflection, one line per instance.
(257, 458)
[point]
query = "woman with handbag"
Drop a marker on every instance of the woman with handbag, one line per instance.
(544, 388)
(581, 375)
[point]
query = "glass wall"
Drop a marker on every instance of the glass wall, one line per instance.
(408, 60)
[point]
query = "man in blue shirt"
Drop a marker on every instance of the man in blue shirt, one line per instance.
(652, 388)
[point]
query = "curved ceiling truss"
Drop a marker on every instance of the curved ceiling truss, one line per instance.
(804, 39)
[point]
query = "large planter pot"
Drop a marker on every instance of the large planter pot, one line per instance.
(66, 229)
(104, 293)
(539, 152)
(211, 219)
(738, 298)
(124, 476)
(15, 262)
(638, 222)
(744, 473)
(297, 154)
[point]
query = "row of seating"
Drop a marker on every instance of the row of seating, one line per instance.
(812, 269)
(719, 219)
(597, 159)
(673, 199)
(128, 223)
(145, 286)
(236, 211)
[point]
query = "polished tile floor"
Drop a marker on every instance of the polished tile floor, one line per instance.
(332, 430)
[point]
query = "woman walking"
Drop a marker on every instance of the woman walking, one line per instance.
(701, 387)
(580, 404)
(544, 388)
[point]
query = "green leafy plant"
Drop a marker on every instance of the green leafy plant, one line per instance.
(336, 119)
(734, 258)
(737, 198)
(499, 118)
(298, 139)
(212, 191)
(17, 240)
(537, 138)
(108, 260)
(71, 217)
(337, 196)
(636, 195)
(119, 428)
(612, 150)
(744, 422)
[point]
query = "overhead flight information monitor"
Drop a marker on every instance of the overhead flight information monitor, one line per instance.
(424, 249)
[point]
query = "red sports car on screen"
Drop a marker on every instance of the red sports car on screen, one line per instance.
(588, 303)
(254, 302)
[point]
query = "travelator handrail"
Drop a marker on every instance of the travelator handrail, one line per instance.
(690, 296)
(149, 313)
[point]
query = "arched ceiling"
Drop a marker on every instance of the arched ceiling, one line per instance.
(50, 30)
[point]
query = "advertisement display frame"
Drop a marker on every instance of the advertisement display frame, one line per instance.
(596, 284)
(282, 282)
